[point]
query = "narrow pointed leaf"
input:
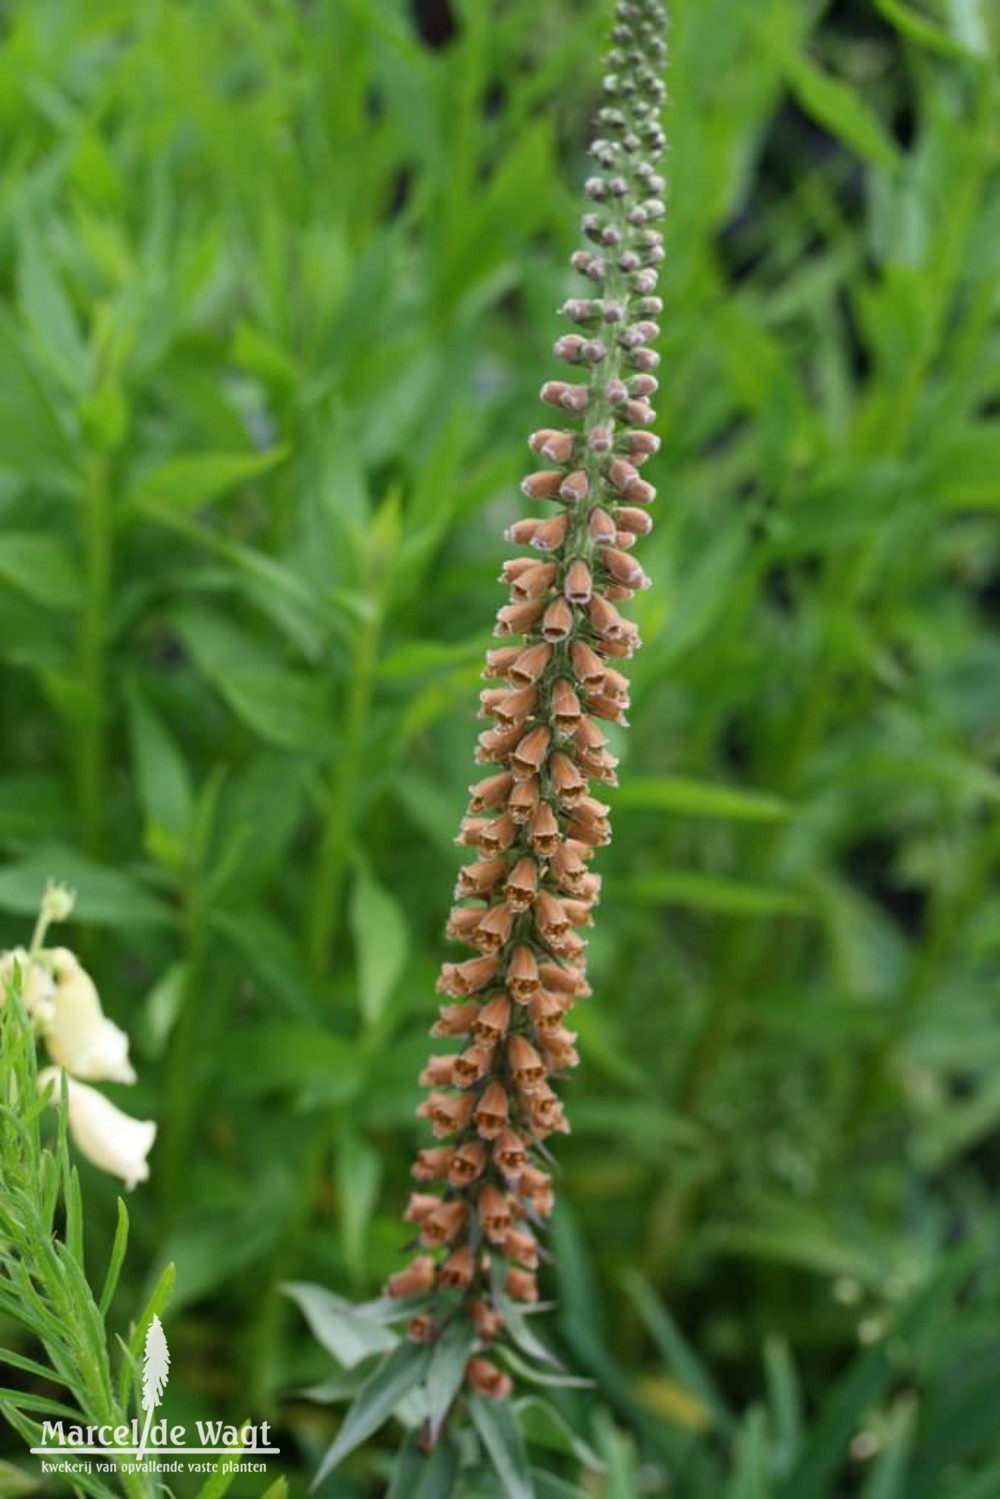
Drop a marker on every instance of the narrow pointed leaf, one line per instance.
(376, 1401)
(501, 1436)
(447, 1371)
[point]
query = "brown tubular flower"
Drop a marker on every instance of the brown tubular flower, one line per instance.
(533, 824)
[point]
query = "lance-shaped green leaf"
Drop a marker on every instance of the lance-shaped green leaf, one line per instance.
(501, 1436)
(447, 1371)
(341, 1328)
(419, 1476)
(376, 1401)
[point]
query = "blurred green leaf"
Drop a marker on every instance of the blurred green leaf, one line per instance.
(922, 30)
(163, 778)
(105, 897)
(381, 937)
(42, 568)
(197, 479)
(700, 799)
(704, 892)
(269, 1055)
(30, 434)
(359, 1172)
(342, 1329)
(679, 1357)
(838, 108)
(889, 1476)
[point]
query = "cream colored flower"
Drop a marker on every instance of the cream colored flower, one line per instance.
(78, 1035)
(37, 984)
(111, 1140)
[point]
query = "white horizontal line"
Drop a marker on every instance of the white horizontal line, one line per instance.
(151, 1451)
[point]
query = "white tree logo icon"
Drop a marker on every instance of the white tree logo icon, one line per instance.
(155, 1372)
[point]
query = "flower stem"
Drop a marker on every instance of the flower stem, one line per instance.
(99, 564)
(333, 854)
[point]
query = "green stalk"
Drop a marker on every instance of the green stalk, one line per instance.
(333, 854)
(98, 543)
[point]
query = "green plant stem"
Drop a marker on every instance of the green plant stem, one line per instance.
(265, 1330)
(98, 544)
(183, 1079)
(333, 854)
(945, 924)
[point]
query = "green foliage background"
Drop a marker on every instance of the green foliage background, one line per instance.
(278, 291)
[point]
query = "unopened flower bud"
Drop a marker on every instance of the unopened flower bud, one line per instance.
(521, 1285)
(571, 348)
(557, 447)
(574, 488)
(543, 485)
(643, 359)
(485, 1379)
(488, 1324)
(638, 522)
(521, 1247)
(549, 534)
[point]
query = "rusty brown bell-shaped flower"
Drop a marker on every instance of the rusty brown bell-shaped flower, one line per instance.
(527, 895)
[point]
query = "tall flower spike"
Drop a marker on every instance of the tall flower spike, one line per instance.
(533, 825)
